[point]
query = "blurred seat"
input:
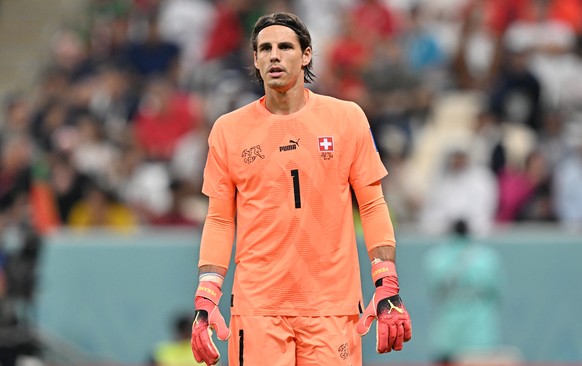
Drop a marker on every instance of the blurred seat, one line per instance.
(24, 28)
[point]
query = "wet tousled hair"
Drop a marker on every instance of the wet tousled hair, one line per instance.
(293, 22)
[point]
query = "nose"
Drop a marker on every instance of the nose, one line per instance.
(275, 54)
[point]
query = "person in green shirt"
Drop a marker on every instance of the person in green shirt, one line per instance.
(464, 281)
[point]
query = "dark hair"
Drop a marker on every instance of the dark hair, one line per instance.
(293, 22)
(460, 228)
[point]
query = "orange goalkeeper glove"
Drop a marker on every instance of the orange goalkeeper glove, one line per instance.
(393, 321)
(206, 317)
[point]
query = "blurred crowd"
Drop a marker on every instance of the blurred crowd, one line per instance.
(475, 105)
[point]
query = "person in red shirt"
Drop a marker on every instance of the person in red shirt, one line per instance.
(164, 117)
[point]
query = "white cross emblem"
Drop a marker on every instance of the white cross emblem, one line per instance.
(325, 143)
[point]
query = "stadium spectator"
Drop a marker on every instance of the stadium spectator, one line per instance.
(6, 311)
(346, 58)
(393, 95)
(165, 115)
(226, 34)
(67, 183)
(464, 191)
(47, 121)
(420, 46)
(475, 59)
(91, 153)
(525, 191)
(568, 181)
(487, 145)
(142, 184)
(375, 19)
(551, 43)
(154, 56)
(516, 94)
(101, 209)
(187, 23)
(402, 189)
(177, 352)
(464, 281)
(552, 138)
(179, 213)
(114, 101)
(15, 118)
(15, 178)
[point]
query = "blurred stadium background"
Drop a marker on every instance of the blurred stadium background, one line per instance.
(475, 106)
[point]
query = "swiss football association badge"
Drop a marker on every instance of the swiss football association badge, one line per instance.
(325, 147)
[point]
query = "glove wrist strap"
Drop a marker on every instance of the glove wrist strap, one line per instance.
(212, 277)
(383, 269)
(209, 290)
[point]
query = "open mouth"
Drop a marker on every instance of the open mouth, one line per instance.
(276, 71)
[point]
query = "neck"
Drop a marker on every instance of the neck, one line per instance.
(285, 102)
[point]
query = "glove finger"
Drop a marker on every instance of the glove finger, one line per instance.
(407, 329)
(195, 352)
(366, 320)
(204, 346)
(202, 337)
(399, 337)
(198, 349)
(219, 325)
(382, 337)
(210, 347)
(392, 331)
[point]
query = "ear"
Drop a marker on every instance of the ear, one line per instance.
(306, 56)
(255, 59)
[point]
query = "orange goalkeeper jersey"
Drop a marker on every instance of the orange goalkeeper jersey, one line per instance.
(296, 249)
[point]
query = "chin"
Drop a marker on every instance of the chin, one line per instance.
(276, 84)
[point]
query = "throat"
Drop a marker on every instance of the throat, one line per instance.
(284, 103)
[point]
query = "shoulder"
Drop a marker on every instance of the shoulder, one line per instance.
(246, 112)
(335, 103)
(335, 109)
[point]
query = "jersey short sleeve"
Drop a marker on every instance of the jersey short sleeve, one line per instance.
(367, 166)
(217, 180)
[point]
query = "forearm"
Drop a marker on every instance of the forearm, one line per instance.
(376, 222)
(217, 237)
(209, 268)
(385, 253)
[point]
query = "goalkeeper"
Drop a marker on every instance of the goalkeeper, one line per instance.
(280, 172)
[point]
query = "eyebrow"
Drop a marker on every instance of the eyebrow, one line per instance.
(285, 43)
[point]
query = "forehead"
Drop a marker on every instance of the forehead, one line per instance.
(276, 34)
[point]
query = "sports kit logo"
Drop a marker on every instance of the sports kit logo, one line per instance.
(249, 155)
(344, 351)
(392, 306)
(292, 146)
(325, 145)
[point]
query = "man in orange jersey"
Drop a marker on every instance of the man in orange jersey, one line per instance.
(284, 167)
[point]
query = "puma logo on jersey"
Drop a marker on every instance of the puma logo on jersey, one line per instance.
(293, 146)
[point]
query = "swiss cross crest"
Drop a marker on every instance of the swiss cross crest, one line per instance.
(325, 144)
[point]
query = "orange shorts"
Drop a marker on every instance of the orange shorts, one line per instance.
(294, 341)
